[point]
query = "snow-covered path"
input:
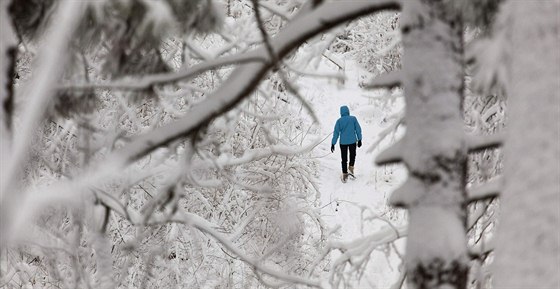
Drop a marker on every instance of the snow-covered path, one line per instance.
(337, 196)
(347, 204)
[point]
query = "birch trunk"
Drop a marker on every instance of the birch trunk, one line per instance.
(433, 148)
(7, 47)
(528, 255)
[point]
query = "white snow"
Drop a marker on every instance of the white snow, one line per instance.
(354, 206)
(444, 230)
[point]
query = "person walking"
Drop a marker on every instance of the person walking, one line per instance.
(350, 132)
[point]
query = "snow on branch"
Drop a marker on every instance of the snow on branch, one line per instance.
(149, 219)
(477, 142)
(391, 155)
(490, 189)
(207, 227)
(246, 77)
(407, 193)
(333, 14)
(257, 154)
(358, 251)
(187, 73)
(388, 80)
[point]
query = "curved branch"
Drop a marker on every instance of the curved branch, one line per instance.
(148, 81)
(245, 78)
(206, 227)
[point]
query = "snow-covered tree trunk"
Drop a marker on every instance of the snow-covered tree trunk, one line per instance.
(528, 232)
(7, 48)
(433, 148)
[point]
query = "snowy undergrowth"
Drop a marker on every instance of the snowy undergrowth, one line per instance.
(358, 208)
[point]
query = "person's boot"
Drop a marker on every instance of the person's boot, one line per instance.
(344, 177)
(351, 170)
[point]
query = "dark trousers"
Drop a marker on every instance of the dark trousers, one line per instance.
(344, 153)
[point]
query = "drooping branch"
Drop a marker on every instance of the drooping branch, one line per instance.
(257, 154)
(276, 62)
(148, 81)
(206, 227)
(245, 78)
(299, 35)
(356, 253)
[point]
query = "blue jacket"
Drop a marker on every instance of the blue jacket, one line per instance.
(347, 127)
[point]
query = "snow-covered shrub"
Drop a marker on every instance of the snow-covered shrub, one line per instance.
(244, 176)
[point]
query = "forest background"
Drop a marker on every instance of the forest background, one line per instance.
(175, 144)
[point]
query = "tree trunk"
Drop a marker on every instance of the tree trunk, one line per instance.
(433, 148)
(528, 255)
(7, 61)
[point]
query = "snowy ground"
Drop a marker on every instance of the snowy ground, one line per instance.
(346, 204)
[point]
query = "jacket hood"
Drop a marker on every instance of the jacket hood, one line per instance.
(344, 111)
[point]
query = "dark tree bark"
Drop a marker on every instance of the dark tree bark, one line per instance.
(8, 51)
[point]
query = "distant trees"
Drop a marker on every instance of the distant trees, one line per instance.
(122, 121)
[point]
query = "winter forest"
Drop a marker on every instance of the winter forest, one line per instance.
(187, 144)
